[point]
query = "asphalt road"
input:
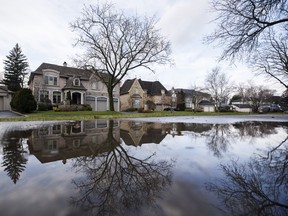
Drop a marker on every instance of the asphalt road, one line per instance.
(9, 114)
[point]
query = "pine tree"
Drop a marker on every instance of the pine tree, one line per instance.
(15, 67)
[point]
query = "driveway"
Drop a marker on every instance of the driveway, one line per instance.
(9, 114)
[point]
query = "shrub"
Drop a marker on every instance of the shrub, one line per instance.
(131, 109)
(74, 107)
(42, 106)
(141, 110)
(23, 101)
(225, 109)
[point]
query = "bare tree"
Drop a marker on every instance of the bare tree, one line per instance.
(218, 85)
(115, 44)
(273, 59)
(257, 187)
(255, 94)
(242, 24)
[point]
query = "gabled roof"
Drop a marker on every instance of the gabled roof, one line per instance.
(206, 103)
(63, 70)
(243, 105)
(191, 92)
(126, 86)
(69, 85)
(152, 88)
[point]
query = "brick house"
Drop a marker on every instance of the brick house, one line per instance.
(57, 83)
(136, 93)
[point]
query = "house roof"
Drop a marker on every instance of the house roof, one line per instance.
(206, 103)
(5, 89)
(65, 71)
(152, 88)
(191, 92)
(126, 86)
(69, 85)
(243, 105)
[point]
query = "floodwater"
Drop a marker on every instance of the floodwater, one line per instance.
(118, 167)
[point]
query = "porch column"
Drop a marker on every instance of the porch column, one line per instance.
(82, 98)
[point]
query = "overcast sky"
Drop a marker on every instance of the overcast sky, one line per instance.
(41, 28)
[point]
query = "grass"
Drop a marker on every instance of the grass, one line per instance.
(86, 115)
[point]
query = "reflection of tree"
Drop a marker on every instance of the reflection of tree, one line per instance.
(218, 139)
(256, 129)
(13, 154)
(117, 182)
(258, 187)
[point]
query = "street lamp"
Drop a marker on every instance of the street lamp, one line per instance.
(173, 98)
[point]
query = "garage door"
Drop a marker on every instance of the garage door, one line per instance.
(116, 104)
(1, 103)
(91, 101)
(101, 104)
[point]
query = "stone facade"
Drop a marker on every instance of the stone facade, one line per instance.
(137, 94)
(59, 83)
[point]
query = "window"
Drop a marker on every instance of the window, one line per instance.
(56, 97)
(136, 91)
(96, 85)
(136, 103)
(44, 95)
(76, 82)
(50, 80)
(56, 129)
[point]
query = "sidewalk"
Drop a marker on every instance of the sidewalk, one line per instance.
(9, 114)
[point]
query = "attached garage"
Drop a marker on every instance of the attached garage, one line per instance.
(91, 101)
(1, 103)
(116, 104)
(5, 98)
(102, 104)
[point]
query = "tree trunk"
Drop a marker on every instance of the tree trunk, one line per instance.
(110, 95)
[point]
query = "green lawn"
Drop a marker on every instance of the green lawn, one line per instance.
(85, 115)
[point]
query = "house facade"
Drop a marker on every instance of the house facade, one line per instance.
(136, 93)
(61, 83)
(193, 97)
(5, 98)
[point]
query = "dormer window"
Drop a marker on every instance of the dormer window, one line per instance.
(76, 82)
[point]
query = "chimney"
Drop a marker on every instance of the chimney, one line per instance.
(65, 64)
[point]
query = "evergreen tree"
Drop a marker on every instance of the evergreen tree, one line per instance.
(15, 67)
(181, 100)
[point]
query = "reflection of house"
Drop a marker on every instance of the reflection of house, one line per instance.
(79, 138)
(5, 98)
(193, 97)
(136, 93)
(59, 83)
(138, 133)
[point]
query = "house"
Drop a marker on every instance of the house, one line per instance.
(5, 98)
(242, 108)
(60, 142)
(207, 106)
(136, 93)
(192, 97)
(139, 133)
(59, 83)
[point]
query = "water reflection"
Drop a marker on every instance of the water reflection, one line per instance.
(118, 168)
(257, 187)
(74, 139)
(117, 182)
(14, 153)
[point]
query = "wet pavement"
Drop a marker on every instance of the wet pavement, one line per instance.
(9, 114)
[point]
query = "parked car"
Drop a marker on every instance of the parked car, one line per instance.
(269, 108)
